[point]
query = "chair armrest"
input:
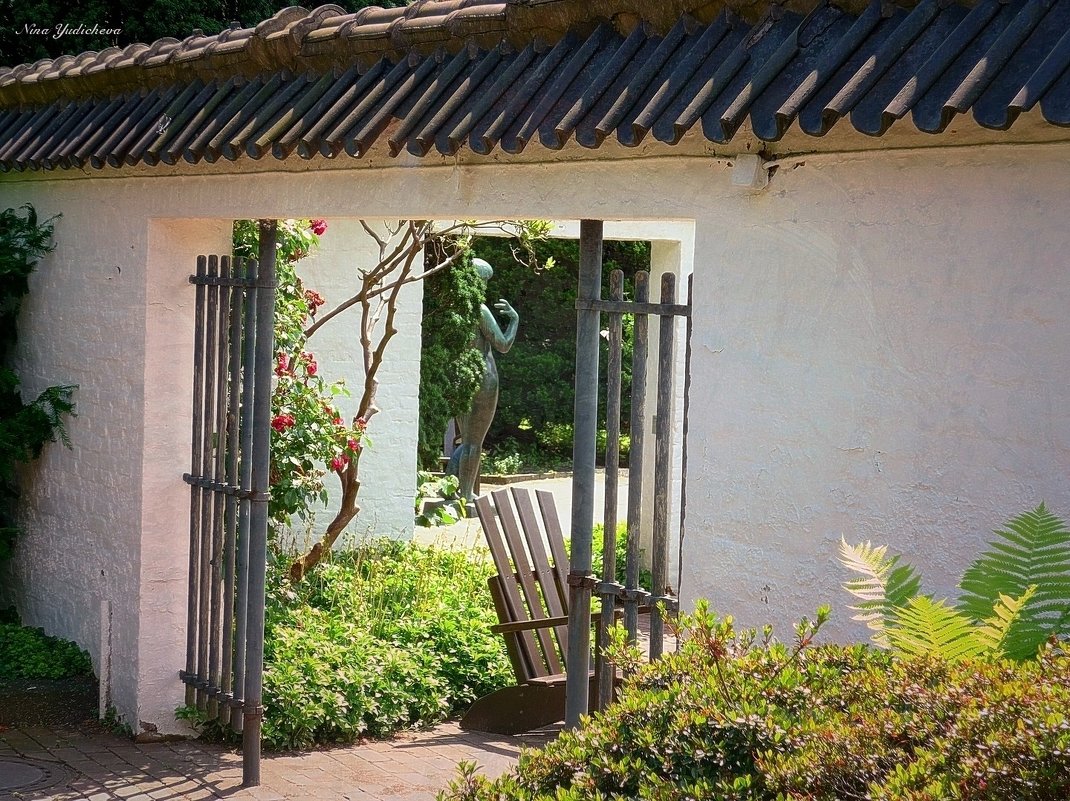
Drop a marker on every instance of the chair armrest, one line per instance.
(531, 625)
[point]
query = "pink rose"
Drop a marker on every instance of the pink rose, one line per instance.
(319, 227)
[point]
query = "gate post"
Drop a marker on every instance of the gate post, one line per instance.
(585, 430)
(258, 508)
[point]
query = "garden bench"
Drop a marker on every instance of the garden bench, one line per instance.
(530, 595)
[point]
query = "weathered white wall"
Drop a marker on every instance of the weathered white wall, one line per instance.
(388, 465)
(878, 351)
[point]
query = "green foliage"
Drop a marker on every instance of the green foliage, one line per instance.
(28, 653)
(139, 21)
(25, 428)
(1033, 550)
(741, 717)
(886, 585)
(646, 580)
(443, 494)
(1015, 596)
(385, 637)
(450, 368)
(113, 722)
(537, 375)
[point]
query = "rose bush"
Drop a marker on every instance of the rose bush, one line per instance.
(310, 436)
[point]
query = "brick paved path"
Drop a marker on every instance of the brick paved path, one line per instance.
(74, 764)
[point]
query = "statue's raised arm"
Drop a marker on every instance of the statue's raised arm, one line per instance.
(474, 425)
(492, 332)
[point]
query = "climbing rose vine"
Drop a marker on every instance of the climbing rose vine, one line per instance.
(310, 437)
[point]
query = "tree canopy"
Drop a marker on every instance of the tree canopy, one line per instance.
(36, 29)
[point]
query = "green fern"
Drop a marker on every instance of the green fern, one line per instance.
(924, 627)
(886, 585)
(1033, 551)
(1000, 633)
(1015, 596)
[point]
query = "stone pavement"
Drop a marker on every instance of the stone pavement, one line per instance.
(89, 764)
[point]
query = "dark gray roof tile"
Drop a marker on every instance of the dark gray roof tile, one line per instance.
(879, 67)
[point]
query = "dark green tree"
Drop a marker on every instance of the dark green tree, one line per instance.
(28, 28)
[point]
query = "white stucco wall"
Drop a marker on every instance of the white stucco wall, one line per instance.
(879, 340)
(388, 466)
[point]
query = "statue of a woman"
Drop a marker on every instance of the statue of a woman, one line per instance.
(476, 422)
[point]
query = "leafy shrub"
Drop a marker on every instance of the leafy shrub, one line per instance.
(25, 428)
(28, 653)
(444, 494)
(740, 717)
(646, 580)
(387, 636)
(557, 439)
(1015, 595)
(501, 464)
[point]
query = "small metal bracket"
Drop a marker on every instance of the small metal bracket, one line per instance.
(637, 595)
(583, 580)
(253, 710)
(609, 588)
(218, 280)
(671, 602)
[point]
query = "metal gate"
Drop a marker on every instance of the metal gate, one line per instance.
(582, 583)
(230, 462)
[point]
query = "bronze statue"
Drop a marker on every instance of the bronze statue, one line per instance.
(474, 425)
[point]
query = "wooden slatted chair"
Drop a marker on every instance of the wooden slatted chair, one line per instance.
(530, 596)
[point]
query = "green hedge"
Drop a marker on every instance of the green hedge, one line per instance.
(388, 636)
(735, 718)
(28, 653)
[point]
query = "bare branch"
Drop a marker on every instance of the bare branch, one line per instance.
(371, 232)
(444, 264)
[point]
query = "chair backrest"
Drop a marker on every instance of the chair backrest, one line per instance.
(532, 580)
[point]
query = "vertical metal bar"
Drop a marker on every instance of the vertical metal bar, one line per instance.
(203, 634)
(636, 458)
(683, 458)
(192, 601)
(609, 588)
(218, 476)
(219, 425)
(230, 525)
(258, 513)
(241, 602)
(585, 428)
(662, 465)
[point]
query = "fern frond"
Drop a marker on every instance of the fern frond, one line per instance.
(999, 629)
(924, 627)
(886, 585)
(1033, 550)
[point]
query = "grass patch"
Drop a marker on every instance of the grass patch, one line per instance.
(387, 636)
